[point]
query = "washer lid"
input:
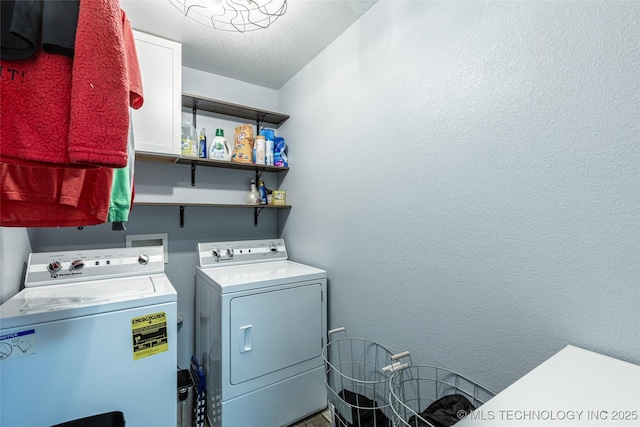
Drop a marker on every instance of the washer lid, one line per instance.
(64, 301)
(254, 276)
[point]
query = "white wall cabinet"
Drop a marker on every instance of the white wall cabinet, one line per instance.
(156, 125)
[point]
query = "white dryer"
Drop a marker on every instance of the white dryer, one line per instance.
(260, 328)
(93, 332)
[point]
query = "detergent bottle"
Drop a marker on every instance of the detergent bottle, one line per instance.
(262, 193)
(269, 135)
(219, 147)
(202, 143)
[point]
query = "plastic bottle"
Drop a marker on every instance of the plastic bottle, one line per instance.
(269, 135)
(202, 145)
(260, 150)
(269, 152)
(189, 141)
(262, 192)
(253, 196)
(219, 147)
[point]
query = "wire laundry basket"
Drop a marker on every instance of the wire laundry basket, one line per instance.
(429, 396)
(357, 377)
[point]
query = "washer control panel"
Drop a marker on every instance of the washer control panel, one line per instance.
(216, 254)
(45, 268)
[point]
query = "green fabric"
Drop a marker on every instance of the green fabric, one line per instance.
(120, 196)
(121, 187)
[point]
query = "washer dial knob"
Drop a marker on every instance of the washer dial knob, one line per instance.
(76, 265)
(54, 266)
(143, 259)
(229, 252)
(216, 254)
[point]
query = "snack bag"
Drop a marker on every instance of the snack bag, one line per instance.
(243, 144)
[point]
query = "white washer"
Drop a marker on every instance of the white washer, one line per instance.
(260, 328)
(94, 331)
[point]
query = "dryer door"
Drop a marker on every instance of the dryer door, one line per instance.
(274, 330)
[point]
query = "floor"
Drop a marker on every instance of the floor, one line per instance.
(321, 419)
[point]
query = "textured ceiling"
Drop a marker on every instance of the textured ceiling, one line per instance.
(268, 57)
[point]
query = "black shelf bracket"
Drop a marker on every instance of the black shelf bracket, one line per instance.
(193, 164)
(182, 216)
(259, 122)
(195, 112)
(193, 173)
(256, 212)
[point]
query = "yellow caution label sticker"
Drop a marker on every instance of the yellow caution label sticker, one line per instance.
(149, 335)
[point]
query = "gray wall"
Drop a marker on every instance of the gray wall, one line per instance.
(468, 174)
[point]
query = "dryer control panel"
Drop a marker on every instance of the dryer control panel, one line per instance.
(46, 268)
(216, 254)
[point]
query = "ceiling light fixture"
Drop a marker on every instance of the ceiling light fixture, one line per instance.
(233, 15)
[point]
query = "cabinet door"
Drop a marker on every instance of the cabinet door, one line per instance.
(156, 125)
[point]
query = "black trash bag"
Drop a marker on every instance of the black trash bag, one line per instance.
(361, 414)
(444, 412)
(109, 419)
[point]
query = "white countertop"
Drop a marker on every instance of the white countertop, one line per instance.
(575, 387)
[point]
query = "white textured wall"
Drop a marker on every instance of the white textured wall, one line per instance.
(468, 174)
(212, 86)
